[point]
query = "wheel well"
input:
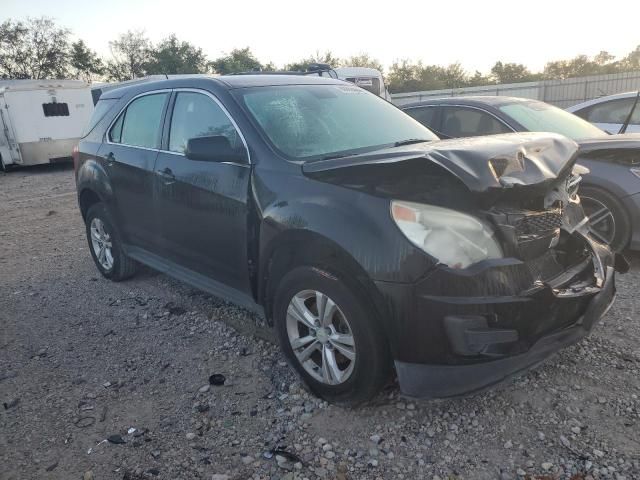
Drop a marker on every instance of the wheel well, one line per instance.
(305, 248)
(87, 199)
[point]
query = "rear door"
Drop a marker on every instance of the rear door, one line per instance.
(203, 205)
(129, 154)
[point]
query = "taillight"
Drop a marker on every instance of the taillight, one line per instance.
(76, 157)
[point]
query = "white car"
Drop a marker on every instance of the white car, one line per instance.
(610, 112)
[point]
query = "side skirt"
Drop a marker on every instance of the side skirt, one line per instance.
(194, 279)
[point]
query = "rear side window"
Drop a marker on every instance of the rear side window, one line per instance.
(613, 111)
(425, 115)
(197, 115)
(139, 125)
(100, 110)
(469, 122)
(55, 109)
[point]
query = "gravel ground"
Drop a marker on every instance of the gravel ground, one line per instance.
(83, 360)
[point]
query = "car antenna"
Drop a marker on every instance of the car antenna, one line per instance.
(623, 128)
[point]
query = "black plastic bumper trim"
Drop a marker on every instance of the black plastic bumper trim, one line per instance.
(439, 381)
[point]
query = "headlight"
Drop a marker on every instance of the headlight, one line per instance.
(453, 238)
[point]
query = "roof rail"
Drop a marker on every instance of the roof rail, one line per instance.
(312, 69)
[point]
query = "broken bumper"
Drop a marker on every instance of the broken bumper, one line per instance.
(436, 381)
(456, 333)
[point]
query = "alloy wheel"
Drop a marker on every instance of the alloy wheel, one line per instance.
(321, 337)
(602, 223)
(101, 243)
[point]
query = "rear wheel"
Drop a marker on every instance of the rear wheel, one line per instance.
(105, 245)
(330, 336)
(608, 220)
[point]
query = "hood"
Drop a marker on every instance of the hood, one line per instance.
(480, 163)
(624, 141)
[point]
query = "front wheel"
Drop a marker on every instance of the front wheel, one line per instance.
(331, 336)
(105, 245)
(608, 220)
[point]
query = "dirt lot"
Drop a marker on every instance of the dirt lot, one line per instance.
(83, 359)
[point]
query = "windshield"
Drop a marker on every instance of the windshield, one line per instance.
(318, 121)
(542, 117)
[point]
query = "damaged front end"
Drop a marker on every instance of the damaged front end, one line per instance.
(505, 292)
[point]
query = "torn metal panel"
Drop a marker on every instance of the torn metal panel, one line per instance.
(481, 163)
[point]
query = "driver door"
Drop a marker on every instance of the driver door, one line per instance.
(202, 205)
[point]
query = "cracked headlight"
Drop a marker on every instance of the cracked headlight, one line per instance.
(453, 238)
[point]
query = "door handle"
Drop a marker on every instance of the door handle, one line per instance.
(167, 175)
(110, 159)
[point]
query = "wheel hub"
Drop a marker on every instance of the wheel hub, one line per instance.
(321, 337)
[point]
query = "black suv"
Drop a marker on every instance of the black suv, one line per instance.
(361, 237)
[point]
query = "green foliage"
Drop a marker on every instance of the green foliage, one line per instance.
(131, 52)
(512, 73)
(172, 57)
(303, 64)
(239, 60)
(405, 76)
(36, 49)
(85, 62)
(362, 60)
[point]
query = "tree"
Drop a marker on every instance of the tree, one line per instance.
(85, 62)
(131, 54)
(403, 76)
(303, 65)
(172, 57)
(511, 73)
(239, 60)
(632, 61)
(362, 60)
(34, 49)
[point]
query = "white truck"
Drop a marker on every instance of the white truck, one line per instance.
(41, 120)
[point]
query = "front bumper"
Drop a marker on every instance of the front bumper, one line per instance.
(437, 381)
(458, 331)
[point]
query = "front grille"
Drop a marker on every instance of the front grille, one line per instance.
(539, 222)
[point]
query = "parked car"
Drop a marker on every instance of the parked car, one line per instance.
(41, 120)
(610, 192)
(363, 239)
(611, 112)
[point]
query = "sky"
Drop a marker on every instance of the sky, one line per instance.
(474, 33)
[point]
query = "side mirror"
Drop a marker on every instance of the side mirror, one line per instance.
(215, 148)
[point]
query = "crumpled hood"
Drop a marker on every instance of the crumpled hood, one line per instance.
(481, 163)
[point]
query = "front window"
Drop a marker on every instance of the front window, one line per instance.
(197, 115)
(317, 121)
(542, 117)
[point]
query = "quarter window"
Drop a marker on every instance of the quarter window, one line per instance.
(613, 111)
(425, 115)
(139, 125)
(470, 122)
(197, 115)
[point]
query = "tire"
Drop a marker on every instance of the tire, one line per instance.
(362, 377)
(614, 230)
(120, 267)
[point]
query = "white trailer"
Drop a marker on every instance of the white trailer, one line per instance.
(41, 120)
(367, 78)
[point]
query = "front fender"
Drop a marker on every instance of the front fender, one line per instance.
(358, 223)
